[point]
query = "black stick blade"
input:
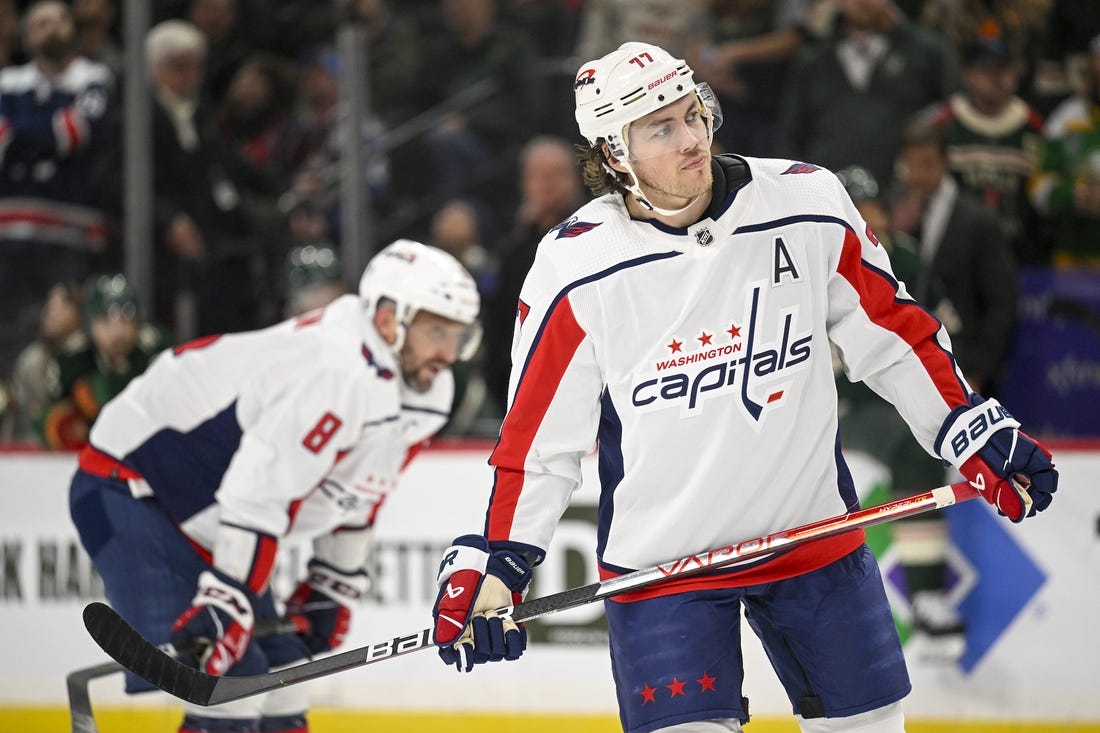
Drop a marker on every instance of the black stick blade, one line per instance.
(130, 649)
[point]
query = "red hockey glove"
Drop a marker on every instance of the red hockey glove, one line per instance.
(473, 582)
(213, 634)
(321, 605)
(1008, 467)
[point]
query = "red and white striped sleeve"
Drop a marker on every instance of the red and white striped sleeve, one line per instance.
(885, 338)
(553, 416)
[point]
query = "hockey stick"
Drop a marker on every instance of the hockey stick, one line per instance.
(77, 681)
(126, 645)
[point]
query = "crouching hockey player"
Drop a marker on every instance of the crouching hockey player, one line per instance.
(231, 445)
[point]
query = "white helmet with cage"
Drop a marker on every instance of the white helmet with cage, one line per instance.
(628, 84)
(417, 277)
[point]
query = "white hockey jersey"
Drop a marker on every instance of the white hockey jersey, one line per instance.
(697, 361)
(293, 431)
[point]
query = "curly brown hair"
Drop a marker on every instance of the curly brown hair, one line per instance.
(598, 178)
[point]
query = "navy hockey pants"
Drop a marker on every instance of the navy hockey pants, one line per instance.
(150, 570)
(829, 635)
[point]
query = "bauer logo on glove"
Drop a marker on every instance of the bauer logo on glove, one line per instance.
(1009, 468)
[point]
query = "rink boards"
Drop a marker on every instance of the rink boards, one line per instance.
(1031, 595)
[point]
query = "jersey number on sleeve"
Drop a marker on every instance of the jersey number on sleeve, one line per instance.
(317, 438)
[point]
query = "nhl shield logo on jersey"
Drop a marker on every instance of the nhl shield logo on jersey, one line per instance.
(572, 227)
(757, 372)
(703, 237)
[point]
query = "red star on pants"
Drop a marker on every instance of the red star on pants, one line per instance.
(675, 346)
(706, 682)
(704, 338)
(677, 687)
(648, 694)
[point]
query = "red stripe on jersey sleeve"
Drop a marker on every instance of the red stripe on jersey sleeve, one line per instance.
(912, 323)
(263, 563)
(536, 390)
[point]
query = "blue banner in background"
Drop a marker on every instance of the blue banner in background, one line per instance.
(1052, 380)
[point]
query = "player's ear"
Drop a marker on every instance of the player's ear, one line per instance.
(385, 321)
(612, 161)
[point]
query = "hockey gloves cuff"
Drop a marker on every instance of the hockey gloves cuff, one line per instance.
(321, 605)
(213, 634)
(1011, 470)
(474, 584)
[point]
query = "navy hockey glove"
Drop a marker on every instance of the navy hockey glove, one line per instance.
(213, 634)
(321, 605)
(1008, 467)
(474, 581)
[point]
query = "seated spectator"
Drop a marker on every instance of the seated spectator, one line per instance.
(1067, 187)
(963, 245)
(993, 140)
(253, 115)
(117, 346)
(456, 228)
(551, 190)
(59, 329)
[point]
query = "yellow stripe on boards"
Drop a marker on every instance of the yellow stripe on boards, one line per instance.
(166, 720)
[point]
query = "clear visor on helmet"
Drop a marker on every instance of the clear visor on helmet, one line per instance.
(451, 337)
(680, 125)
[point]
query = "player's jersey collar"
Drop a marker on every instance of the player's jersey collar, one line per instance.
(731, 175)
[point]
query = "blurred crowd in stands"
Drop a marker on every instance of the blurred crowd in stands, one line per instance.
(972, 125)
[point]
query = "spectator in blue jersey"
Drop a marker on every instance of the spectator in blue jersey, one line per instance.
(53, 113)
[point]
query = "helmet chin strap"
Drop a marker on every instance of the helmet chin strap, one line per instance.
(636, 189)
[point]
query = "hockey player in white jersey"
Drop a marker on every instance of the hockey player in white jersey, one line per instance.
(230, 445)
(678, 324)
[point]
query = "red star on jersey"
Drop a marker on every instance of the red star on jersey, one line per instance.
(676, 688)
(706, 682)
(734, 331)
(648, 694)
(675, 346)
(704, 338)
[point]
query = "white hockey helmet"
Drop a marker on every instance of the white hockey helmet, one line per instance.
(629, 83)
(417, 277)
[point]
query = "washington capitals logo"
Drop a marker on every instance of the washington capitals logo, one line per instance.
(572, 227)
(745, 365)
(586, 77)
(800, 168)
